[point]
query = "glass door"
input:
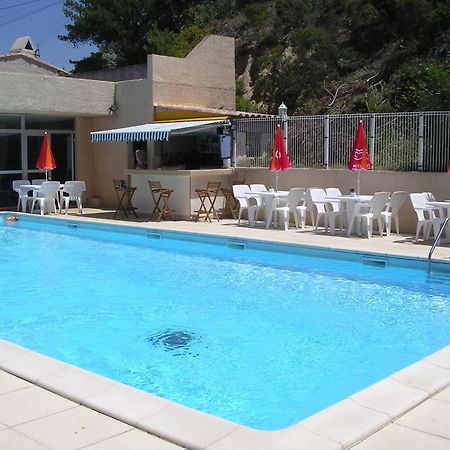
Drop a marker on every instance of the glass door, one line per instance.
(10, 166)
(62, 148)
(34, 142)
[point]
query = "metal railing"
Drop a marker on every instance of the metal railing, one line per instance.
(436, 242)
(410, 141)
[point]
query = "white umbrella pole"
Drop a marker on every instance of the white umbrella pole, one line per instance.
(46, 175)
(359, 174)
(276, 180)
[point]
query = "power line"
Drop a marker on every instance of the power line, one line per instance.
(17, 4)
(36, 11)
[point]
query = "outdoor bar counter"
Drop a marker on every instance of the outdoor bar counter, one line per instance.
(184, 199)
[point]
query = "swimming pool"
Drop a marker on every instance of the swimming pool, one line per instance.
(257, 336)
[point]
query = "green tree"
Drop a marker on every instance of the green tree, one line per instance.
(121, 27)
(420, 86)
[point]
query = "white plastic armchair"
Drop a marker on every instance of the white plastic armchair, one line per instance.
(437, 212)
(324, 209)
(72, 191)
(38, 181)
(46, 196)
(240, 192)
(258, 187)
(336, 204)
(295, 197)
(23, 197)
(426, 219)
(375, 208)
(392, 210)
(304, 208)
(333, 192)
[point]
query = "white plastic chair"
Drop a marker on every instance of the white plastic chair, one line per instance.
(336, 205)
(38, 181)
(333, 192)
(426, 219)
(74, 191)
(375, 208)
(430, 197)
(258, 187)
(295, 196)
(324, 209)
(21, 193)
(392, 210)
(46, 196)
(240, 192)
(303, 209)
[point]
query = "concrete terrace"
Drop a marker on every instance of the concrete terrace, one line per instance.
(47, 404)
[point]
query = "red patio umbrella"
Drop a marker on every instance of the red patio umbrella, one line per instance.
(280, 158)
(359, 158)
(46, 160)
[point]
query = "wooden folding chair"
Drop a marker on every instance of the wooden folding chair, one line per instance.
(207, 198)
(161, 198)
(231, 205)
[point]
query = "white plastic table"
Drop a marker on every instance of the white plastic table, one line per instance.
(348, 203)
(25, 188)
(269, 200)
(445, 206)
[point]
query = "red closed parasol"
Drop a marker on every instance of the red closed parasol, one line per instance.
(46, 160)
(280, 158)
(359, 158)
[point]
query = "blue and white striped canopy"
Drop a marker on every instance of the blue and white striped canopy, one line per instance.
(161, 131)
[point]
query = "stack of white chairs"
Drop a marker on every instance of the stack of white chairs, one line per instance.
(72, 192)
(375, 208)
(23, 197)
(426, 216)
(241, 194)
(295, 197)
(47, 197)
(392, 210)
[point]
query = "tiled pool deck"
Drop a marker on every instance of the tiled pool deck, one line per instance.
(46, 404)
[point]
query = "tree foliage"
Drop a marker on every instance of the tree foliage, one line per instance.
(122, 27)
(318, 56)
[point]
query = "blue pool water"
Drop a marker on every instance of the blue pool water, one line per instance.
(255, 336)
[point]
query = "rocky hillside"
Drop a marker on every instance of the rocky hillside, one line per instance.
(330, 56)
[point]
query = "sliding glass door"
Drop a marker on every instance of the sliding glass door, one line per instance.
(20, 143)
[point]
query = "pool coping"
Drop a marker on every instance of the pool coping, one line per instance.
(339, 426)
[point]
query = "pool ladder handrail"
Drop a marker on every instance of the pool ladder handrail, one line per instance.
(435, 242)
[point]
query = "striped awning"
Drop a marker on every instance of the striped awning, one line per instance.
(161, 131)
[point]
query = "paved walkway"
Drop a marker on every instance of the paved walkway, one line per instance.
(32, 417)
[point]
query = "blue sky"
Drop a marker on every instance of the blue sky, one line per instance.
(42, 20)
